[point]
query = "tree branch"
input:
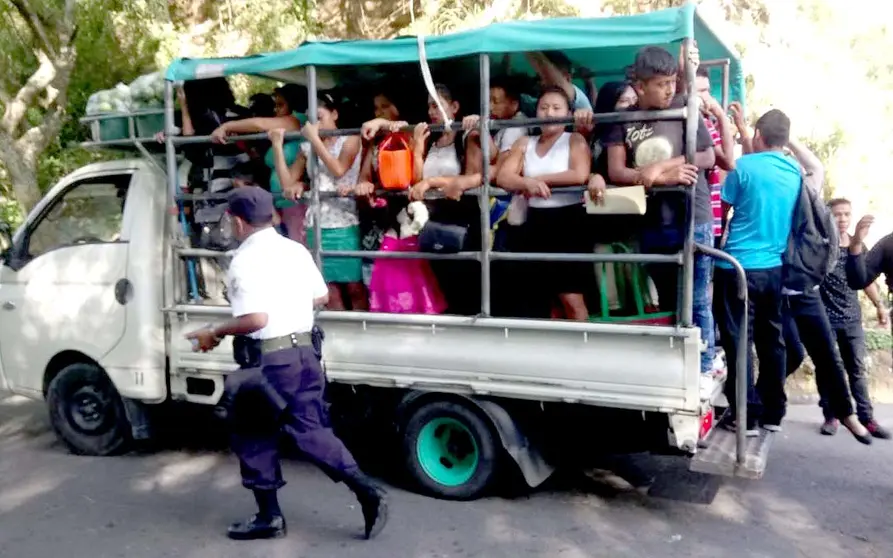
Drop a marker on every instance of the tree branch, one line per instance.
(33, 20)
(39, 80)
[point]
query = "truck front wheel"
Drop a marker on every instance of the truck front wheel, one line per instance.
(86, 411)
(450, 450)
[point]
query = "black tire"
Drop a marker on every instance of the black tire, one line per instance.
(480, 432)
(86, 411)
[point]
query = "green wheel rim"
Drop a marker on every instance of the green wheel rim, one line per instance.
(447, 451)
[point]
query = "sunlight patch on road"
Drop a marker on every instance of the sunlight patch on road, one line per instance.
(179, 473)
(728, 506)
(12, 498)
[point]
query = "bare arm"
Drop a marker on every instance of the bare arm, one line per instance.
(419, 148)
(509, 175)
(288, 176)
(188, 129)
(550, 74)
(874, 295)
(743, 132)
(725, 154)
(366, 165)
(474, 155)
(257, 125)
(815, 171)
(705, 159)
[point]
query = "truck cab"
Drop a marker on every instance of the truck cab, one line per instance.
(81, 284)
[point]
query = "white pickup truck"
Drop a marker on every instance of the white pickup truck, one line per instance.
(97, 291)
(91, 322)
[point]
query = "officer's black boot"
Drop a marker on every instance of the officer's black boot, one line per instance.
(268, 523)
(372, 499)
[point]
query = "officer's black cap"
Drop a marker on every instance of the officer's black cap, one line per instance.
(252, 204)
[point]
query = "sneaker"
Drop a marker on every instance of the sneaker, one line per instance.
(771, 427)
(829, 428)
(877, 430)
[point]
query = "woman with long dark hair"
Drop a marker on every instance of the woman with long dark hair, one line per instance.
(337, 170)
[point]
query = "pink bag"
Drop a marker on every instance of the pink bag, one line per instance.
(404, 286)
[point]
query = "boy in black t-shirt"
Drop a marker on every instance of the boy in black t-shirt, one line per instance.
(652, 154)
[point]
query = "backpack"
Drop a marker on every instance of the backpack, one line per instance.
(813, 245)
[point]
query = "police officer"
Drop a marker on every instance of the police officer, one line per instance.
(288, 395)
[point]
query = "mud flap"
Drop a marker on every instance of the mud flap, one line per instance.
(530, 461)
(138, 417)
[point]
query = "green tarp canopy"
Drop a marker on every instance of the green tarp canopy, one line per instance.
(604, 46)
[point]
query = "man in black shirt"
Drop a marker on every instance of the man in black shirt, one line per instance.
(845, 315)
(652, 154)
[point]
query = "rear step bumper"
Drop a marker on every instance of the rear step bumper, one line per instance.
(718, 455)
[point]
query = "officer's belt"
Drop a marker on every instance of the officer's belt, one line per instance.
(283, 342)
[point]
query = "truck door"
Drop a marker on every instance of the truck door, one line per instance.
(58, 280)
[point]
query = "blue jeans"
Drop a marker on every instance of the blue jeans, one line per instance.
(702, 310)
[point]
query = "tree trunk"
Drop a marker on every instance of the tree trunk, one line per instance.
(22, 144)
(22, 175)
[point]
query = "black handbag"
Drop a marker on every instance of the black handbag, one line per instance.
(440, 238)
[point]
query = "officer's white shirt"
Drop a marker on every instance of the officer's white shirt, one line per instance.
(276, 276)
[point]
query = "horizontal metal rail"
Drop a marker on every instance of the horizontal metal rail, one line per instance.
(115, 115)
(430, 195)
(435, 320)
(126, 142)
(602, 118)
(586, 258)
(475, 256)
(715, 62)
(379, 255)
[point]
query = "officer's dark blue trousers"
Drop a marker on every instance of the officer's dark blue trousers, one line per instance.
(285, 398)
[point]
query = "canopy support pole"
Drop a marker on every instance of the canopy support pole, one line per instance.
(312, 171)
(691, 137)
(484, 197)
(169, 148)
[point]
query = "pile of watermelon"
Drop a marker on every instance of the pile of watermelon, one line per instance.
(145, 92)
(110, 101)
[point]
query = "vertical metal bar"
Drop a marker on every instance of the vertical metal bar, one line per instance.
(743, 349)
(173, 211)
(484, 198)
(169, 148)
(742, 377)
(312, 170)
(691, 136)
(725, 86)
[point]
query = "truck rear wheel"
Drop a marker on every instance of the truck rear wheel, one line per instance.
(86, 411)
(450, 450)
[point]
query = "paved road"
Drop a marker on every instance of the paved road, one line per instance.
(822, 497)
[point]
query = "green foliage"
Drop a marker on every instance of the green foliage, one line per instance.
(789, 50)
(878, 340)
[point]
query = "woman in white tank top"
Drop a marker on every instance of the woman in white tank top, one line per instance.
(440, 165)
(556, 220)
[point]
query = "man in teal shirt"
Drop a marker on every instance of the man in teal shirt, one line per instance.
(762, 189)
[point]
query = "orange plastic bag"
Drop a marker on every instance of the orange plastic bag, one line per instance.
(395, 163)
